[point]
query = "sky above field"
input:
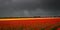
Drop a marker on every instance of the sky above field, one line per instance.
(29, 8)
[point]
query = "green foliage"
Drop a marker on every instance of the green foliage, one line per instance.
(12, 28)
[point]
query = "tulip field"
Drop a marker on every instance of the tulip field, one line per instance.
(30, 24)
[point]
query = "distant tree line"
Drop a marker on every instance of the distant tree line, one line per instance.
(29, 17)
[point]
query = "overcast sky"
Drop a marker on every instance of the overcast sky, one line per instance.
(29, 8)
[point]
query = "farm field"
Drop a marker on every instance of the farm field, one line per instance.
(30, 24)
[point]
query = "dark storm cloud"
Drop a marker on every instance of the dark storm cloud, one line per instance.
(28, 8)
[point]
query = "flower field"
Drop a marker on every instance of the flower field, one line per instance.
(30, 24)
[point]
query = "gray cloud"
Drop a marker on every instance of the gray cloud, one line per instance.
(28, 8)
